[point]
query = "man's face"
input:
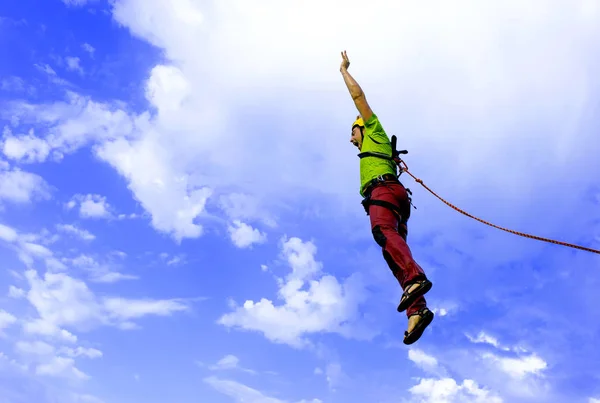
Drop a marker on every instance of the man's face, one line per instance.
(356, 137)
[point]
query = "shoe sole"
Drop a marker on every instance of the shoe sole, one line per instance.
(408, 301)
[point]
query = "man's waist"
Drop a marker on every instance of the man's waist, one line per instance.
(381, 179)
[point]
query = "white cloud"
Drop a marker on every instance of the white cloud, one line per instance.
(111, 277)
(326, 306)
(519, 367)
(73, 64)
(49, 329)
(423, 360)
(12, 83)
(99, 272)
(25, 148)
(241, 393)
(7, 233)
(240, 206)
(91, 206)
(18, 186)
(472, 64)
(34, 347)
(446, 390)
(334, 375)
(61, 367)
(81, 351)
(49, 360)
(6, 319)
(244, 236)
(28, 250)
(126, 309)
(15, 292)
(46, 69)
(168, 195)
(72, 124)
(73, 230)
(36, 250)
(444, 308)
(88, 48)
(76, 3)
(63, 302)
(482, 337)
(230, 362)
(197, 92)
(593, 400)
(227, 362)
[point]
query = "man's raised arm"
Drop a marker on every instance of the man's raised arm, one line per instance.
(357, 94)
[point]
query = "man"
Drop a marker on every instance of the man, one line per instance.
(388, 206)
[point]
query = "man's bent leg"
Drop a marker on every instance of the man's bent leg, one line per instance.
(420, 302)
(384, 225)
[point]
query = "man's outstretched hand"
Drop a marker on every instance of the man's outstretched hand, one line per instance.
(345, 61)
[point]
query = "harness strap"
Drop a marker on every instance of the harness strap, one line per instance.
(375, 154)
(367, 201)
(388, 205)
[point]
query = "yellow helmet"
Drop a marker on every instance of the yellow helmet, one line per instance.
(358, 122)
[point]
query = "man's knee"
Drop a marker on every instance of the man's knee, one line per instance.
(379, 236)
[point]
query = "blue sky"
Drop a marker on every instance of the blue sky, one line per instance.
(179, 208)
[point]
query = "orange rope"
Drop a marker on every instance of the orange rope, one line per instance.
(405, 169)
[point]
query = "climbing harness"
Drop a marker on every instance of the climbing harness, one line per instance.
(404, 168)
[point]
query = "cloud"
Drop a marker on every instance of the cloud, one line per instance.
(126, 309)
(61, 367)
(447, 390)
(240, 206)
(81, 351)
(173, 260)
(207, 103)
(325, 306)
(73, 230)
(242, 393)
(34, 348)
(334, 375)
(423, 360)
(50, 361)
(17, 186)
(99, 272)
(15, 84)
(88, 48)
(73, 64)
(484, 338)
(28, 249)
(25, 148)
(519, 367)
(230, 362)
(504, 377)
(91, 206)
(62, 301)
(6, 319)
(8, 234)
(227, 362)
(76, 3)
(64, 127)
(170, 197)
(244, 236)
(15, 292)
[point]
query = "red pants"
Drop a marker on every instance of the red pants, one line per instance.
(391, 236)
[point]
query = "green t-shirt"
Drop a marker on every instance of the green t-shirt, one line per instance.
(376, 140)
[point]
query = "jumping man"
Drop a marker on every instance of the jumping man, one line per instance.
(387, 203)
